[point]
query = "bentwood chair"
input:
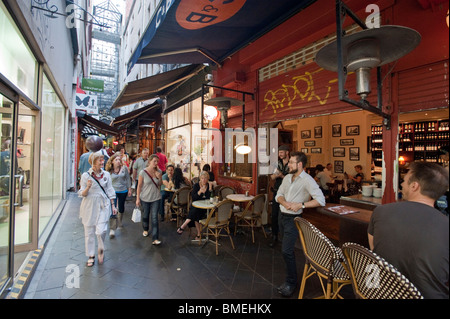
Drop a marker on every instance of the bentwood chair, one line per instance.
(180, 204)
(251, 216)
(374, 278)
(218, 220)
(322, 259)
(335, 191)
(224, 191)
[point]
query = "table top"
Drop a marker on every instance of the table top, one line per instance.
(203, 203)
(240, 197)
(173, 190)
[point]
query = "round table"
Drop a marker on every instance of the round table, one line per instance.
(240, 198)
(204, 204)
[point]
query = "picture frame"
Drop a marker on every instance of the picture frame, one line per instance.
(338, 151)
(353, 153)
(310, 143)
(339, 167)
(316, 150)
(306, 134)
(347, 141)
(318, 132)
(304, 150)
(336, 130)
(352, 130)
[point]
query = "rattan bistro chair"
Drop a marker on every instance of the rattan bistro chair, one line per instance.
(251, 216)
(322, 259)
(218, 220)
(224, 191)
(180, 204)
(374, 278)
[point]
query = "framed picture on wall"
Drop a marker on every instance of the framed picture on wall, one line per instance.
(339, 166)
(306, 134)
(310, 143)
(353, 153)
(316, 150)
(347, 141)
(336, 130)
(352, 130)
(304, 150)
(338, 151)
(318, 132)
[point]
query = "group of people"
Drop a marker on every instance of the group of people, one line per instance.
(410, 234)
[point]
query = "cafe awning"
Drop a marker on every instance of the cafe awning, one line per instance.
(95, 125)
(202, 31)
(149, 112)
(155, 86)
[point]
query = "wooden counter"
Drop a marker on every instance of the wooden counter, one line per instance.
(360, 201)
(340, 228)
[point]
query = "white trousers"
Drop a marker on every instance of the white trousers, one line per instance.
(90, 232)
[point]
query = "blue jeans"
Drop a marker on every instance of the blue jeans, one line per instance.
(153, 209)
(290, 235)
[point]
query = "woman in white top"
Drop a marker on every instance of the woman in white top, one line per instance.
(95, 210)
(149, 195)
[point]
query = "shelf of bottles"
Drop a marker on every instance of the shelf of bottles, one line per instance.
(417, 141)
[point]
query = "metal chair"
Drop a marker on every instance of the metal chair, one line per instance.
(374, 278)
(217, 220)
(180, 204)
(251, 215)
(224, 191)
(322, 259)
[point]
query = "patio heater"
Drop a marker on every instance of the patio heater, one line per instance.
(361, 52)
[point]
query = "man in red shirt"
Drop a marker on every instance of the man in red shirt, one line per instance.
(162, 160)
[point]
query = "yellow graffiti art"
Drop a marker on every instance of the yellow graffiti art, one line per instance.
(302, 87)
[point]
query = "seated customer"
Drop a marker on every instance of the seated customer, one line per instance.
(167, 183)
(322, 179)
(179, 180)
(414, 236)
(353, 183)
(200, 191)
(212, 179)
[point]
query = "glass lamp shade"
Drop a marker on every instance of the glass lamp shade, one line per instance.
(243, 149)
(210, 113)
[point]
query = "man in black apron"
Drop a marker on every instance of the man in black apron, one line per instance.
(280, 172)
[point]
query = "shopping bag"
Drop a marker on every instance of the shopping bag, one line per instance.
(136, 217)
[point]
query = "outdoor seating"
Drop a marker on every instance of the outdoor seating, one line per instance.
(251, 216)
(373, 277)
(179, 204)
(322, 259)
(218, 220)
(224, 191)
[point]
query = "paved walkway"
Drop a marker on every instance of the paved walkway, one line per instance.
(136, 269)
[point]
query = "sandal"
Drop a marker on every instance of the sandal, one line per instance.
(91, 261)
(145, 233)
(180, 230)
(198, 237)
(101, 256)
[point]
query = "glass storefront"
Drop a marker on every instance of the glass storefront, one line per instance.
(188, 146)
(52, 152)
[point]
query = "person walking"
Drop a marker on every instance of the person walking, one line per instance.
(412, 235)
(96, 207)
(294, 195)
(121, 182)
(140, 163)
(149, 197)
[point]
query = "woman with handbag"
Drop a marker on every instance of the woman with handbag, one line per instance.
(96, 207)
(149, 195)
(121, 182)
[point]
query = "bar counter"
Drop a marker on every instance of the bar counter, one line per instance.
(365, 202)
(341, 228)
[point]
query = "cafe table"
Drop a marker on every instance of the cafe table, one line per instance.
(240, 198)
(204, 204)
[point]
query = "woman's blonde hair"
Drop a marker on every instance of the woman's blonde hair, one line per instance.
(94, 157)
(204, 173)
(109, 165)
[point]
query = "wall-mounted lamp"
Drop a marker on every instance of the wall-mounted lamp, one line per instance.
(210, 113)
(401, 160)
(223, 104)
(447, 19)
(243, 149)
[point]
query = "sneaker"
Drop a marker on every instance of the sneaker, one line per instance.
(112, 233)
(145, 233)
(156, 242)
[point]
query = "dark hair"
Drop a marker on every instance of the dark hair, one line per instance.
(432, 178)
(178, 177)
(170, 165)
(206, 168)
(320, 167)
(158, 149)
(301, 157)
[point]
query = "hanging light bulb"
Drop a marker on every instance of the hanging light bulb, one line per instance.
(210, 113)
(242, 149)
